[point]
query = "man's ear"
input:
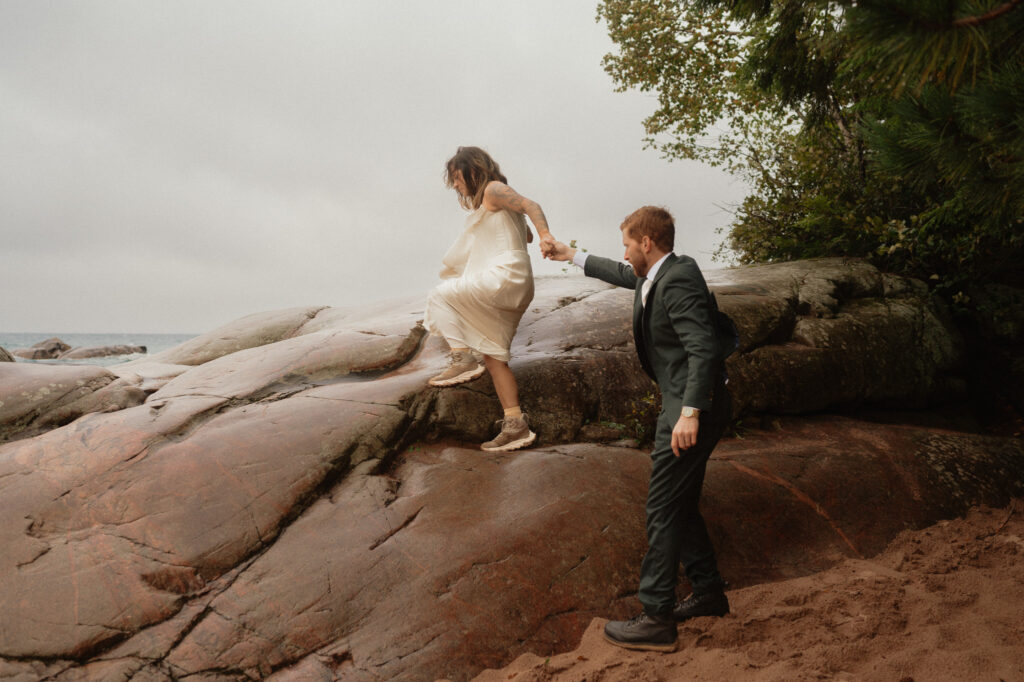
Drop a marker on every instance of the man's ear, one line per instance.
(645, 244)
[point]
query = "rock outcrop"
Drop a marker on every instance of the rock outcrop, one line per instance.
(280, 505)
(56, 349)
(44, 350)
(35, 398)
(100, 352)
(5, 356)
(835, 333)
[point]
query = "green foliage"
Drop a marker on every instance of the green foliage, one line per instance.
(642, 419)
(888, 129)
(691, 55)
(572, 245)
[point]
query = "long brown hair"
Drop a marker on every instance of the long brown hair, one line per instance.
(478, 169)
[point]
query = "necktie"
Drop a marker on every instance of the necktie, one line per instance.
(645, 288)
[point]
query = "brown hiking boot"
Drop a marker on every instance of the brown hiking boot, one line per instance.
(514, 434)
(463, 368)
(645, 632)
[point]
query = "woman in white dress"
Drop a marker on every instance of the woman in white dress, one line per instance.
(488, 284)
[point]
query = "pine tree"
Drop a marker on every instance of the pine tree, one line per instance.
(883, 128)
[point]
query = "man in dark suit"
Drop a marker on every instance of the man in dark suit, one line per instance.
(678, 348)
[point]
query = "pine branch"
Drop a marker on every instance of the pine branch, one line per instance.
(988, 16)
(976, 20)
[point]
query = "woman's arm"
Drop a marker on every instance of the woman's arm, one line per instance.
(499, 196)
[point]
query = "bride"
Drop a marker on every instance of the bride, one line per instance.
(487, 285)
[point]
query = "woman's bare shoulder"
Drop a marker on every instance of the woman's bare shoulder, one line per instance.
(494, 193)
(499, 196)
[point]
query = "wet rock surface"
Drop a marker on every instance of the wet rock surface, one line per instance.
(271, 499)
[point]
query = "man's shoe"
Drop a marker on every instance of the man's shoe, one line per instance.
(697, 605)
(645, 632)
(514, 434)
(463, 368)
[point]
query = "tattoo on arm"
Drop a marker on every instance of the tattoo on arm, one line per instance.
(539, 220)
(508, 198)
(505, 197)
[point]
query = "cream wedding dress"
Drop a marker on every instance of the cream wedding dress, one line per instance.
(488, 284)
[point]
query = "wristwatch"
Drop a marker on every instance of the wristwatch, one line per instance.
(690, 412)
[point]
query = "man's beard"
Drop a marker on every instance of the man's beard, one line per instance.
(640, 267)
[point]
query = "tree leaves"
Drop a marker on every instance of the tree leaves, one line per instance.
(891, 129)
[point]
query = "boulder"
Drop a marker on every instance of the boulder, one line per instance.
(836, 333)
(149, 376)
(101, 352)
(292, 500)
(44, 350)
(5, 356)
(439, 564)
(296, 363)
(250, 331)
(37, 397)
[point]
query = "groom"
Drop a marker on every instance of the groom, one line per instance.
(678, 348)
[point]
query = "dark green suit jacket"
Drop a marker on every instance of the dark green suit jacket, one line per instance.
(674, 334)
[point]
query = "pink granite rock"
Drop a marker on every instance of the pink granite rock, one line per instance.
(37, 397)
(280, 506)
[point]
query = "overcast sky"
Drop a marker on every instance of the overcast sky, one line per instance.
(171, 166)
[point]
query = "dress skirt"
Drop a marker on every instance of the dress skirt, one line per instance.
(488, 285)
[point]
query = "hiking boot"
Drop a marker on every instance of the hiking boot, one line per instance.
(645, 633)
(514, 434)
(463, 368)
(697, 605)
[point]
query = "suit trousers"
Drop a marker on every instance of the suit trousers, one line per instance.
(675, 528)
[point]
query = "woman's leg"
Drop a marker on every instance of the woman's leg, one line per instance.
(515, 432)
(504, 383)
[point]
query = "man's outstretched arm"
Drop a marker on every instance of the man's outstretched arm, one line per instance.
(604, 269)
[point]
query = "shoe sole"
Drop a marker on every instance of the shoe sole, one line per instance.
(700, 615)
(468, 375)
(514, 445)
(643, 646)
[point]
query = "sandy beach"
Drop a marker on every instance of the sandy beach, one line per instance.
(942, 603)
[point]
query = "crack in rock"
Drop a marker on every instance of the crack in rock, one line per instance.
(802, 497)
(391, 533)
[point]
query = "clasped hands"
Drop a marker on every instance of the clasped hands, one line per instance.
(547, 245)
(554, 249)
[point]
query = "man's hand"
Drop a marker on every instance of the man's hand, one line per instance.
(559, 251)
(684, 435)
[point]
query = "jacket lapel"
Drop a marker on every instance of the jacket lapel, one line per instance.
(654, 285)
(638, 306)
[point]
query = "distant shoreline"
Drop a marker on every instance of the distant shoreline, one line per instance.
(154, 343)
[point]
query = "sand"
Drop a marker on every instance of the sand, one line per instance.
(942, 603)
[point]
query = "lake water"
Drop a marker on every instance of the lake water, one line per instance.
(154, 343)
